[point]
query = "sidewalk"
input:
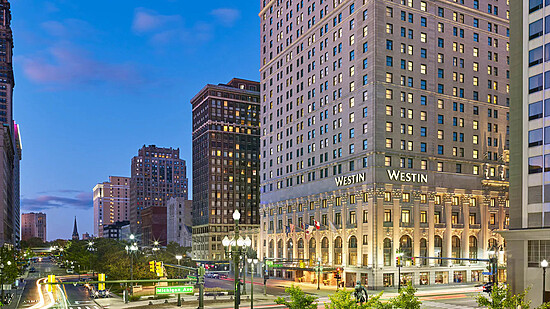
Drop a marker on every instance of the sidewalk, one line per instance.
(17, 293)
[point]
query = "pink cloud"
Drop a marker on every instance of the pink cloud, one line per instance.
(148, 20)
(67, 65)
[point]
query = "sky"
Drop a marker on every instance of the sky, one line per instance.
(97, 80)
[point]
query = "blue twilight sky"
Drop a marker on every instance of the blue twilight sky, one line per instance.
(96, 80)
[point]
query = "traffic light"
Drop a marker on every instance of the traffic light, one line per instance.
(51, 279)
(101, 286)
(413, 264)
(159, 269)
(152, 266)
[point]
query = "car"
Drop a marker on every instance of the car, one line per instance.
(223, 276)
(70, 271)
(32, 270)
(216, 276)
(488, 287)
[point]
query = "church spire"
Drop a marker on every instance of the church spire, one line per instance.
(75, 231)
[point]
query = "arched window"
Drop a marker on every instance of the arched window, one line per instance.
(438, 248)
(405, 244)
(271, 247)
(312, 253)
(324, 250)
(289, 249)
(352, 250)
(423, 251)
(338, 250)
(280, 249)
(493, 243)
(455, 248)
(473, 247)
(300, 243)
(387, 252)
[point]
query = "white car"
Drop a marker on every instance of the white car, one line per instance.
(70, 271)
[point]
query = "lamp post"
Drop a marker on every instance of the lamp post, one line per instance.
(179, 257)
(130, 250)
(91, 248)
(544, 264)
(253, 263)
(399, 255)
(235, 248)
(493, 253)
(318, 273)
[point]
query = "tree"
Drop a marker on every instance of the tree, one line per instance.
(298, 299)
(33, 242)
(343, 299)
(503, 298)
(406, 299)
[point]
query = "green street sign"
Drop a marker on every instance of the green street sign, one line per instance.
(277, 265)
(159, 290)
(191, 277)
(269, 263)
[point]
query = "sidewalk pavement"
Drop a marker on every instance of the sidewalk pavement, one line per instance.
(17, 293)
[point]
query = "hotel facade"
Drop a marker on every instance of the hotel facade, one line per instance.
(385, 124)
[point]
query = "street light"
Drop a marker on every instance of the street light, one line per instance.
(399, 255)
(235, 248)
(544, 264)
(91, 248)
(318, 273)
(130, 250)
(252, 262)
(493, 257)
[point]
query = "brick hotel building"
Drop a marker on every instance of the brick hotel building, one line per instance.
(386, 122)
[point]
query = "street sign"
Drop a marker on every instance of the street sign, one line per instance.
(159, 290)
(269, 263)
(192, 277)
(488, 273)
(277, 265)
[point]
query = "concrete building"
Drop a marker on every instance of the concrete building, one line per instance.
(528, 240)
(118, 230)
(33, 225)
(384, 123)
(226, 137)
(111, 202)
(179, 221)
(10, 139)
(157, 175)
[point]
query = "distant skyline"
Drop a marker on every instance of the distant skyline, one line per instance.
(95, 81)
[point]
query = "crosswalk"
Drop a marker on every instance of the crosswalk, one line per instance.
(84, 307)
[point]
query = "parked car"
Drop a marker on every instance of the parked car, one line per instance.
(223, 276)
(216, 276)
(70, 271)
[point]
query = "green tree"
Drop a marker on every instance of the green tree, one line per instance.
(343, 299)
(406, 299)
(503, 298)
(298, 299)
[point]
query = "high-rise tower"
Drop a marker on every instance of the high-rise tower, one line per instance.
(226, 144)
(10, 139)
(528, 240)
(111, 202)
(157, 175)
(384, 124)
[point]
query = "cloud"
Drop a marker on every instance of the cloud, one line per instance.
(82, 200)
(64, 65)
(69, 28)
(226, 16)
(148, 20)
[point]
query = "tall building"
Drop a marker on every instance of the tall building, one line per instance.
(33, 225)
(528, 240)
(179, 221)
(111, 202)
(384, 124)
(226, 145)
(157, 175)
(10, 140)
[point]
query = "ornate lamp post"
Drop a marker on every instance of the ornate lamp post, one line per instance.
(399, 255)
(130, 250)
(252, 262)
(235, 248)
(91, 248)
(544, 264)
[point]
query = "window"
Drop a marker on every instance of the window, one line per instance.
(387, 215)
(535, 137)
(535, 165)
(389, 61)
(535, 55)
(534, 5)
(535, 110)
(535, 83)
(535, 29)
(406, 216)
(423, 216)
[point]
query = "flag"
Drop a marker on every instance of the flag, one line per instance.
(292, 228)
(287, 230)
(302, 226)
(332, 227)
(309, 229)
(317, 224)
